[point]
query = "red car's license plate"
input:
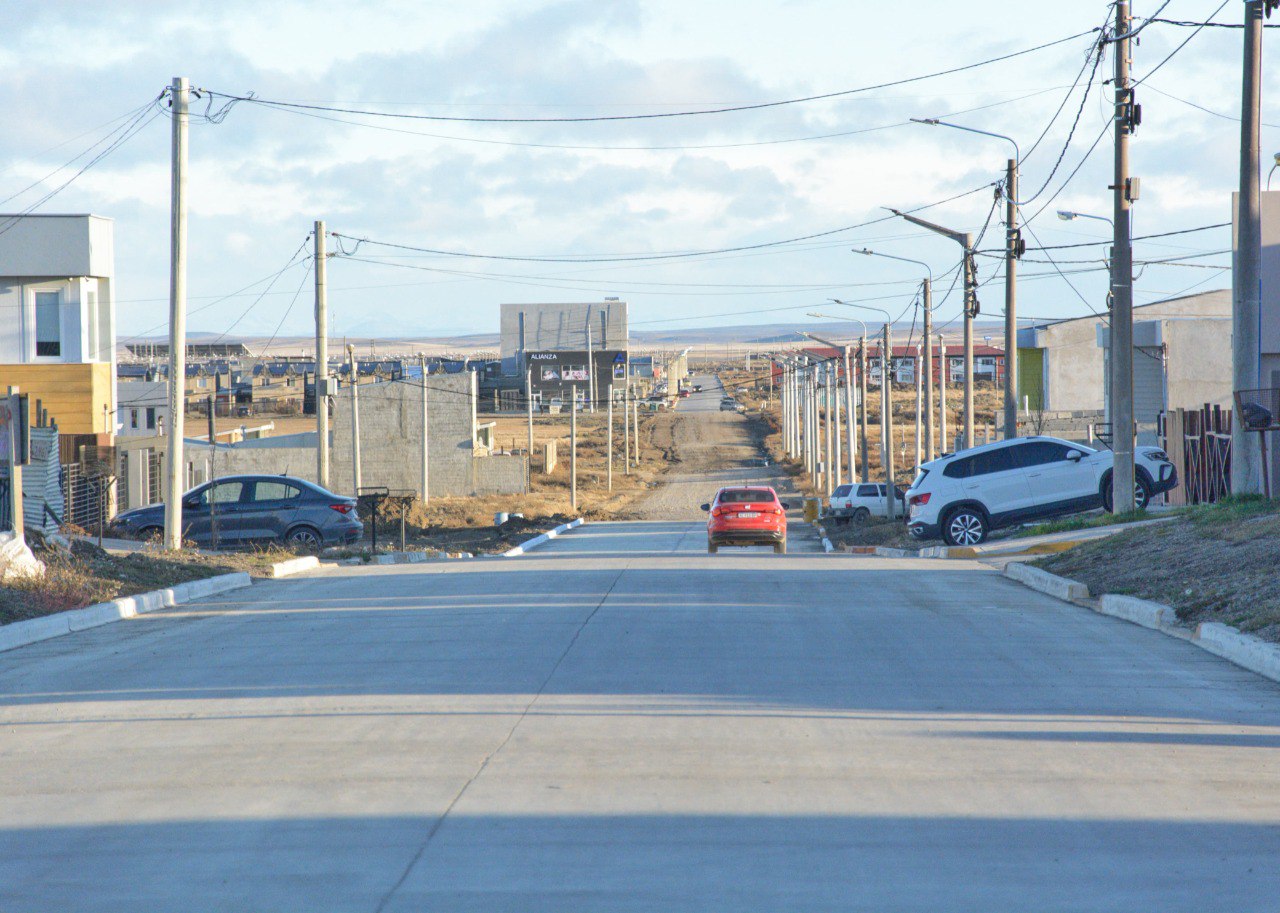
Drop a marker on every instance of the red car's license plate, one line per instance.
(747, 515)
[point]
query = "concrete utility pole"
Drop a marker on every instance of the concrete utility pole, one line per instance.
(179, 96)
(965, 240)
(322, 359)
(1011, 254)
(573, 448)
(591, 368)
(355, 420)
(943, 371)
(919, 406)
(862, 406)
(886, 421)
(426, 438)
(528, 401)
(1248, 474)
(626, 430)
(609, 462)
(849, 416)
(213, 473)
(927, 303)
(829, 400)
(1121, 348)
(834, 368)
(635, 430)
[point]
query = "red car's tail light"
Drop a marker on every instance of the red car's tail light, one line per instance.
(342, 508)
(921, 498)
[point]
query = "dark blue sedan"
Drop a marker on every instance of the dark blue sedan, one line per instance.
(240, 510)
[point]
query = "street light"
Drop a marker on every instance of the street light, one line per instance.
(886, 400)
(927, 297)
(1013, 250)
(1067, 215)
(965, 240)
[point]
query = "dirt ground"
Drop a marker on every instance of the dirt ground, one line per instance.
(1215, 563)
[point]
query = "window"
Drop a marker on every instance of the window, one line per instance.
(1038, 453)
(133, 418)
(842, 491)
(48, 324)
(959, 469)
(997, 460)
(151, 417)
(275, 491)
(744, 496)
(222, 493)
(868, 491)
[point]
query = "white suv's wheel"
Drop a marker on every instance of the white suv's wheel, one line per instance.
(964, 526)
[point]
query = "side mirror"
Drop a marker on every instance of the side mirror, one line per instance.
(706, 506)
(191, 502)
(1075, 456)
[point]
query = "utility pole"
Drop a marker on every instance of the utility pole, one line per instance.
(591, 368)
(828, 401)
(943, 371)
(426, 438)
(322, 360)
(919, 406)
(1011, 300)
(355, 420)
(179, 96)
(609, 448)
(635, 431)
(886, 421)
(1122, 426)
(528, 401)
(626, 430)
(1248, 474)
(927, 297)
(573, 448)
(213, 473)
(849, 416)
(862, 407)
(834, 368)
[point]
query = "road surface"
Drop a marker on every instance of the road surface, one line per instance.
(621, 722)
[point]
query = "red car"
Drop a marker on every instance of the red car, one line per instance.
(747, 516)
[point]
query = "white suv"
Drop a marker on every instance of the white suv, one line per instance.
(860, 502)
(963, 496)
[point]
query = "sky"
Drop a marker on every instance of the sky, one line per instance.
(260, 176)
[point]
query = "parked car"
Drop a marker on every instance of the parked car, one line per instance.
(745, 515)
(860, 502)
(684, 393)
(728, 404)
(963, 496)
(244, 509)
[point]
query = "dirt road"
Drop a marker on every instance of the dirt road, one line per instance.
(713, 449)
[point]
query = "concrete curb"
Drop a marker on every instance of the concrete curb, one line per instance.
(883, 551)
(21, 633)
(406, 557)
(1244, 650)
(546, 537)
(1052, 584)
(294, 566)
(1139, 611)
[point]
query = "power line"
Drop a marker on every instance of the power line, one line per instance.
(252, 99)
(1185, 42)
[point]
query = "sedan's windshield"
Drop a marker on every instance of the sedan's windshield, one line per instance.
(744, 495)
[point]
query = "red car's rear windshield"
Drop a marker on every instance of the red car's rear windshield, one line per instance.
(745, 495)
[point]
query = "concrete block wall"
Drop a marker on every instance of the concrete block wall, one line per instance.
(499, 475)
(299, 462)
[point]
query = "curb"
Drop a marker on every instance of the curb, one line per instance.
(294, 566)
(1052, 584)
(883, 551)
(21, 633)
(533, 543)
(1244, 650)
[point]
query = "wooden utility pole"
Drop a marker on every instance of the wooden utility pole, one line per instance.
(175, 482)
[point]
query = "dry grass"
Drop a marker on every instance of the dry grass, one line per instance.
(1216, 563)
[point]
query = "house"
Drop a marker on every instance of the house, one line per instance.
(988, 362)
(1182, 357)
(57, 335)
(143, 408)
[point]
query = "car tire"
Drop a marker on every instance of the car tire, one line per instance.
(1141, 493)
(305, 536)
(712, 548)
(780, 548)
(861, 515)
(964, 526)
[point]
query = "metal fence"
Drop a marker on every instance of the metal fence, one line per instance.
(1198, 442)
(86, 500)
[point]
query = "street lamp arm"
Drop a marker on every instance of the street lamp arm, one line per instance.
(959, 237)
(935, 122)
(876, 253)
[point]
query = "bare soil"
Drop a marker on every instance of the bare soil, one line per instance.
(1215, 563)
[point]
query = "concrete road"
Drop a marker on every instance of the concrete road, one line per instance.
(620, 722)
